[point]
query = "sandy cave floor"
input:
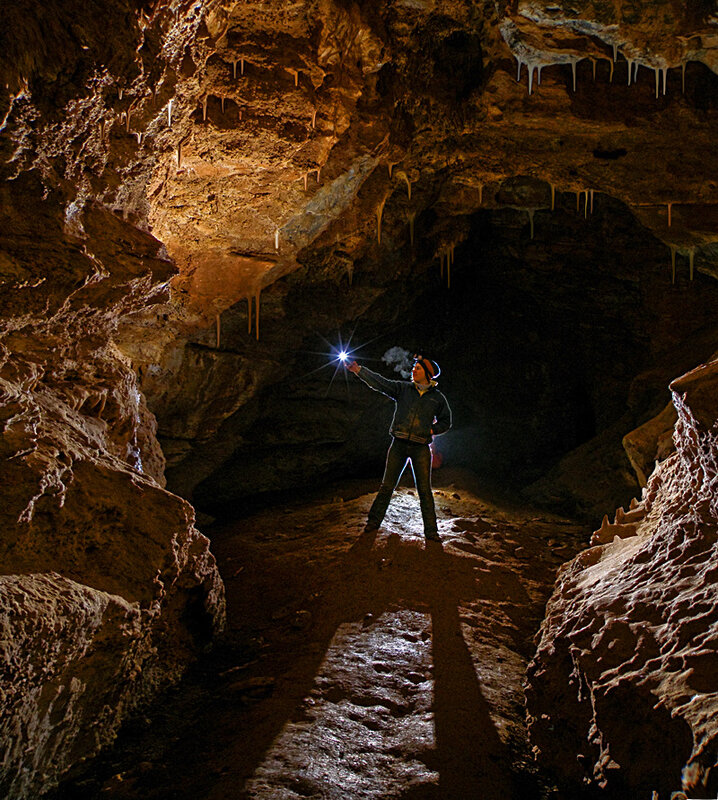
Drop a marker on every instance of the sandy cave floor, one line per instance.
(357, 665)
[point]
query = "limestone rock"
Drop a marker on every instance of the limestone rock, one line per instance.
(621, 692)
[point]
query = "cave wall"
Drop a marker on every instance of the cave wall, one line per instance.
(108, 589)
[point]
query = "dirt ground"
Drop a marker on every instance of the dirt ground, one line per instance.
(357, 665)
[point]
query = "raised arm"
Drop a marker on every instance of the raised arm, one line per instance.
(375, 381)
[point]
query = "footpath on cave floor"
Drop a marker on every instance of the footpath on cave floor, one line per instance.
(357, 665)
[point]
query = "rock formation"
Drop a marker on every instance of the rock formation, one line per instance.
(199, 199)
(621, 693)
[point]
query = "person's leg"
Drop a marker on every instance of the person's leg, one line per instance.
(395, 463)
(421, 465)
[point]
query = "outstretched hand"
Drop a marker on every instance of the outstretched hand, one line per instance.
(353, 367)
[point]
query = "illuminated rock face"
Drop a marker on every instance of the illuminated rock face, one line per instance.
(190, 193)
(621, 693)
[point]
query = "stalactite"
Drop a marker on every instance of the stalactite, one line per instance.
(221, 100)
(481, 193)
(691, 257)
(553, 196)
(658, 80)
(531, 212)
(379, 213)
(530, 69)
(630, 69)
(179, 155)
(169, 113)
(578, 200)
(249, 313)
(234, 69)
(412, 217)
(276, 240)
(127, 120)
(585, 203)
(664, 70)
(670, 208)
(138, 134)
(241, 66)
(615, 51)
(318, 171)
(294, 73)
(683, 78)
(390, 166)
(306, 177)
(610, 74)
(218, 321)
(518, 71)
(673, 263)
(591, 191)
(204, 108)
(256, 314)
(314, 118)
(574, 61)
(401, 175)
(120, 92)
(593, 67)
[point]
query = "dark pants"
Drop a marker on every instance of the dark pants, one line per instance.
(399, 453)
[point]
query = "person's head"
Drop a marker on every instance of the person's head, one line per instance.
(424, 370)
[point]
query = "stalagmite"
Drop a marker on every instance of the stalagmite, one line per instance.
(412, 217)
(219, 330)
(673, 263)
(204, 108)
(276, 240)
(531, 212)
(169, 113)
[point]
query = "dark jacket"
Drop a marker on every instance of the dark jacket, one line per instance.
(416, 415)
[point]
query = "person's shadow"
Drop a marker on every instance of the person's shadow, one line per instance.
(469, 756)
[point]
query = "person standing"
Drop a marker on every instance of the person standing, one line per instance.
(421, 413)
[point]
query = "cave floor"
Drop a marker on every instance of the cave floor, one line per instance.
(358, 665)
